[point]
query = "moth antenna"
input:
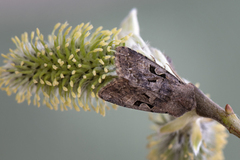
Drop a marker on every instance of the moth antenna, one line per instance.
(178, 77)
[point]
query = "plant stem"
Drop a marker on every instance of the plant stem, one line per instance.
(207, 108)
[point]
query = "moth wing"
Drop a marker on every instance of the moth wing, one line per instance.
(142, 71)
(121, 92)
(145, 73)
(144, 85)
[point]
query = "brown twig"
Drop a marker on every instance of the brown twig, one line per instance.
(207, 108)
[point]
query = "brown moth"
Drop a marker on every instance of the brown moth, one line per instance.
(144, 85)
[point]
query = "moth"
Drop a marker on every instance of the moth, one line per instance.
(144, 85)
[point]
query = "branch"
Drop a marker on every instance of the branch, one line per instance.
(207, 108)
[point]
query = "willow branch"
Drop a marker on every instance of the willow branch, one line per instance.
(207, 108)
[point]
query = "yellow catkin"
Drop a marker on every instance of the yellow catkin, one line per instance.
(106, 38)
(99, 29)
(48, 83)
(67, 31)
(62, 99)
(109, 48)
(80, 103)
(66, 45)
(49, 105)
(61, 107)
(55, 107)
(12, 55)
(114, 106)
(99, 80)
(71, 83)
(68, 39)
(65, 108)
(87, 43)
(108, 108)
(97, 109)
(98, 50)
(107, 57)
(43, 50)
(65, 89)
(85, 107)
(93, 94)
(38, 32)
(197, 85)
(75, 106)
(45, 95)
(101, 61)
(102, 112)
(38, 104)
(103, 43)
(71, 56)
(103, 76)
(77, 35)
(74, 60)
(4, 56)
(61, 75)
(105, 69)
(56, 100)
(73, 95)
(94, 72)
(79, 90)
(54, 38)
(54, 67)
(92, 106)
(55, 82)
(54, 104)
(41, 81)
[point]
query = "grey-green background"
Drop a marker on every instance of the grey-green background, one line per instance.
(201, 36)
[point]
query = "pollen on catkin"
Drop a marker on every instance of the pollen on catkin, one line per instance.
(68, 70)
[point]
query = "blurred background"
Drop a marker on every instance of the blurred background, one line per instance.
(201, 37)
